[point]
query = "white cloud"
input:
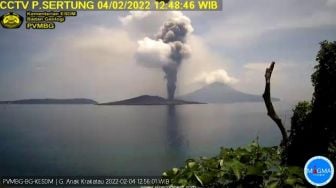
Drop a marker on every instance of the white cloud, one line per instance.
(179, 17)
(219, 75)
(134, 16)
(152, 53)
(146, 24)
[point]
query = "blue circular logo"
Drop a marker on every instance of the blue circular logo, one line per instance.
(319, 171)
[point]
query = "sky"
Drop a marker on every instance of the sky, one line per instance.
(93, 55)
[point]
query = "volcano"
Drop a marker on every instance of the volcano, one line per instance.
(221, 93)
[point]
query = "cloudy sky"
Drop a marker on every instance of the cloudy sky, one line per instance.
(93, 55)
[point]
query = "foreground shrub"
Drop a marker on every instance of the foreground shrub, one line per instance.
(250, 166)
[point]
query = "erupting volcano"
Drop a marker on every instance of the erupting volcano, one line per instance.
(168, 49)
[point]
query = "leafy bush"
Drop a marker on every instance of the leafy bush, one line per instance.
(324, 99)
(301, 128)
(313, 130)
(301, 116)
(251, 166)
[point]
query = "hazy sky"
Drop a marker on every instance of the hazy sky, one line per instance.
(93, 55)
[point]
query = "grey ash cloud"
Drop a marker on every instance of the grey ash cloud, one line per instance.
(168, 49)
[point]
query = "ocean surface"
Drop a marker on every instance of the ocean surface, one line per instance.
(89, 140)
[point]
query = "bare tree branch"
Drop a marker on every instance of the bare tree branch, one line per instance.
(269, 106)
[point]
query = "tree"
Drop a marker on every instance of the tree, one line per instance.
(313, 130)
(324, 99)
(301, 127)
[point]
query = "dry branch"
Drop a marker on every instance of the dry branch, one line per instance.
(269, 106)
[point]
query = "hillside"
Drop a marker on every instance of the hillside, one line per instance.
(149, 100)
(221, 93)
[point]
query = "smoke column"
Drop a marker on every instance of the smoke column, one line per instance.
(173, 35)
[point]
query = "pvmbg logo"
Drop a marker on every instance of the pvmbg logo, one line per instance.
(11, 20)
(319, 171)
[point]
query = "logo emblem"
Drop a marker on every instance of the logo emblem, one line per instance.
(11, 20)
(319, 171)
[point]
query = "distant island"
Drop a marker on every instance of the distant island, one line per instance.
(211, 93)
(150, 100)
(221, 93)
(51, 101)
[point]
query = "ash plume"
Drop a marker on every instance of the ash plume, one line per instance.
(168, 49)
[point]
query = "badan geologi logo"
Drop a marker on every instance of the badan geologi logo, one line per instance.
(319, 171)
(11, 20)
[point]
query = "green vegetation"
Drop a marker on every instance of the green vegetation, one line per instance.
(313, 130)
(301, 126)
(250, 166)
(324, 98)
